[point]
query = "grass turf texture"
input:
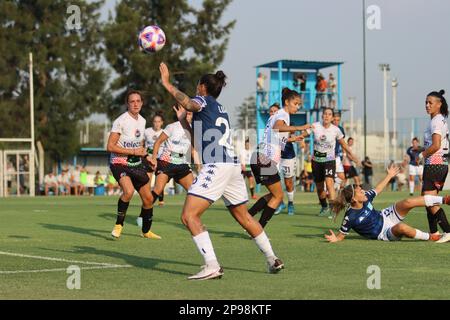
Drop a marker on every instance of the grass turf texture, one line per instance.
(78, 228)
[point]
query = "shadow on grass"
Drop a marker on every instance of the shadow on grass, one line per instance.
(98, 233)
(141, 262)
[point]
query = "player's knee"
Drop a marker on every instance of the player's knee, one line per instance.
(127, 195)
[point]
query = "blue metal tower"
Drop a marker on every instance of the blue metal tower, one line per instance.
(283, 73)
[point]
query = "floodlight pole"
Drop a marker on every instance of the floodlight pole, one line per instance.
(31, 160)
(385, 68)
(364, 78)
(394, 115)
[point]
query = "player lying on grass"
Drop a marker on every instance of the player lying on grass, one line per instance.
(387, 224)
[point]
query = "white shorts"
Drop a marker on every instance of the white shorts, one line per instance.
(415, 170)
(287, 167)
(339, 166)
(390, 219)
(220, 180)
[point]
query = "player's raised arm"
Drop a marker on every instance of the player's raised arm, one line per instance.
(182, 99)
(350, 154)
(162, 137)
(391, 173)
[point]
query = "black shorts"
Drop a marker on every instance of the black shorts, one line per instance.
(350, 172)
(264, 169)
(247, 174)
(434, 176)
(175, 171)
(322, 170)
(138, 175)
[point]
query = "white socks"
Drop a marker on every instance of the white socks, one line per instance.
(263, 244)
(431, 201)
(411, 187)
(420, 235)
(290, 196)
(337, 183)
(204, 245)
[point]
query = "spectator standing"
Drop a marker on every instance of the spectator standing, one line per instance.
(367, 171)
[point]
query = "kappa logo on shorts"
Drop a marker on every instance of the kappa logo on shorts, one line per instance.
(123, 174)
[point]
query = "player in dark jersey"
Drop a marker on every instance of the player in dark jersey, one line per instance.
(128, 163)
(415, 167)
(387, 224)
(220, 176)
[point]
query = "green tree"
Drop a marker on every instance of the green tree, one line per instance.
(68, 79)
(196, 43)
(247, 110)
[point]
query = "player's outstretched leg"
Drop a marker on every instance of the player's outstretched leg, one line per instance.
(242, 216)
(403, 207)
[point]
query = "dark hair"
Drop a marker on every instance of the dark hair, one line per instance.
(349, 138)
(328, 108)
(276, 105)
(288, 94)
(440, 96)
(337, 113)
(415, 139)
(133, 91)
(158, 114)
(214, 83)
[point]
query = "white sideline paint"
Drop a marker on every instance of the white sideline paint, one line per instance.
(97, 265)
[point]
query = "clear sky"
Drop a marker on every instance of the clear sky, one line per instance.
(414, 39)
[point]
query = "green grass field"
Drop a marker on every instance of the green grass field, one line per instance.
(76, 231)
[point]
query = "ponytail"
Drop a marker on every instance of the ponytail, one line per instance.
(344, 199)
(214, 83)
(288, 94)
(440, 96)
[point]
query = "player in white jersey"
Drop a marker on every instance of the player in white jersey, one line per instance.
(245, 158)
(220, 176)
(128, 163)
(266, 159)
(435, 171)
(323, 163)
(151, 134)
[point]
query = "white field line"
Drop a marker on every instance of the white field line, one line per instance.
(97, 265)
(65, 269)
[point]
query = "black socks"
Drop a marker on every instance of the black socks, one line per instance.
(121, 211)
(147, 219)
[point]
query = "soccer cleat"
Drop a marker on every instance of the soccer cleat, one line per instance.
(276, 266)
(291, 209)
(151, 235)
(117, 231)
(445, 238)
(446, 199)
(434, 236)
(280, 208)
(254, 196)
(324, 212)
(208, 272)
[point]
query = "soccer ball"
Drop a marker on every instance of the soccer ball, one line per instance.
(151, 39)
